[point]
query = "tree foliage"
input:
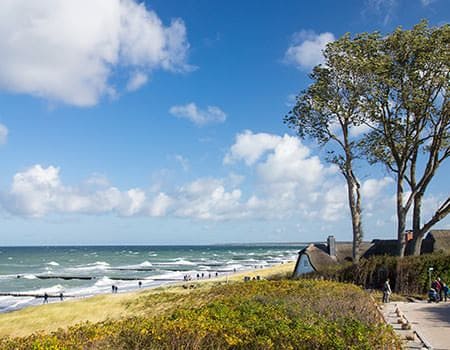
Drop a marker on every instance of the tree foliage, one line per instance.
(397, 87)
(329, 111)
(407, 108)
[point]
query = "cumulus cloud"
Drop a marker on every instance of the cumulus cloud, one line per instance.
(200, 117)
(68, 51)
(3, 134)
(39, 191)
(136, 81)
(208, 199)
(290, 180)
(287, 181)
(306, 49)
(249, 147)
(371, 188)
(334, 205)
(291, 161)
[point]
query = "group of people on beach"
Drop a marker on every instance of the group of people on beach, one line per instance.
(438, 291)
(46, 296)
(202, 275)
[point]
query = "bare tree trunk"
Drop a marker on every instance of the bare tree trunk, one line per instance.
(417, 232)
(401, 219)
(354, 199)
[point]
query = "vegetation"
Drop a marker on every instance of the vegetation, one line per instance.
(95, 309)
(384, 98)
(407, 107)
(408, 275)
(254, 315)
(329, 111)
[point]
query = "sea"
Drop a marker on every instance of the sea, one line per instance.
(28, 273)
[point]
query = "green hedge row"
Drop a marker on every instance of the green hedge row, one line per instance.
(408, 275)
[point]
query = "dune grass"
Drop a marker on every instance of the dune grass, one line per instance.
(276, 314)
(50, 317)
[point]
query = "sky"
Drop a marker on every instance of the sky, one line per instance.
(161, 122)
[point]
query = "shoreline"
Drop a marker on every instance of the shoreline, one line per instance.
(99, 307)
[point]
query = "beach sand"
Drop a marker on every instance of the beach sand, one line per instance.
(50, 317)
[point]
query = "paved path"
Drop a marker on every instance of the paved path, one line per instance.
(430, 324)
(431, 320)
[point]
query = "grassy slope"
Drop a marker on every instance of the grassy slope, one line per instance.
(99, 308)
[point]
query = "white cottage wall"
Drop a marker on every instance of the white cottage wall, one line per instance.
(303, 266)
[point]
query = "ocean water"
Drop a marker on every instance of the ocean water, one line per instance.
(82, 271)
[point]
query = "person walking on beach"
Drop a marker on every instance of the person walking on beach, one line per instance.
(386, 291)
(45, 298)
(61, 296)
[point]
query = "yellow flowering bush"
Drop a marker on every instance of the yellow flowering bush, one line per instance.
(283, 314)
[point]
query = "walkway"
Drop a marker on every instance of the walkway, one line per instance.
(430, 323)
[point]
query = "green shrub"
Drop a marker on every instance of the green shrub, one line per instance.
(408, 275)
(302, 314)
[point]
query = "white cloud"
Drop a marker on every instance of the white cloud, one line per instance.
(160, 205)
(306, 49)
(249, 147)
(290, 161)
(200, 117)
(371, 188)
(3, 134)
(136, 81)
(334, 205)
(38, 191)
(287, 181)
(68, 51)
(208, 199)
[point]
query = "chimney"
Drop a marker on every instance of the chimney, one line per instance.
(331, 246)
(409, 235)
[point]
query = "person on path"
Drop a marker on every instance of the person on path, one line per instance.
(445, 288)
(386, 291)
(441, 290)
(436, 285)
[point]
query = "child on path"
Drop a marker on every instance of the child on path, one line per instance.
(386, 291)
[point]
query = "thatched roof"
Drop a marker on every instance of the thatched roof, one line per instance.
(381, 247)
(318, 256)
(318, 253)
(440, 239)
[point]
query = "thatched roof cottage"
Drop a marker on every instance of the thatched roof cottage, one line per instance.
(318, 256)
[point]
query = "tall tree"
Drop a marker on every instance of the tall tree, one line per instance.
(408, 110)
(329, 111)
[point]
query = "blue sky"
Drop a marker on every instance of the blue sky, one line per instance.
(161, 122)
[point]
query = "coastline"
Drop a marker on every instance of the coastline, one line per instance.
(97, 308)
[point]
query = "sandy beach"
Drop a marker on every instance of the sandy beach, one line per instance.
(50, 317)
